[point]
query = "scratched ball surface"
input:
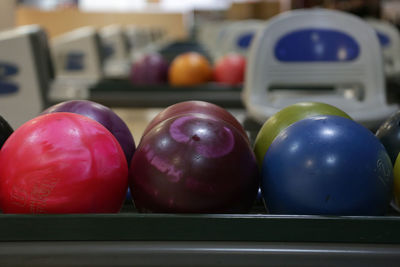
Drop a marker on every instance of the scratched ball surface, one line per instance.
(62, 163)
(102, 114)
(327, 165)
(201, 107)
(194, 163)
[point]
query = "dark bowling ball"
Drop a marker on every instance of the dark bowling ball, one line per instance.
(194, 163)
(396, 184)
(5, 131)
(151, 69)
(201, 107)
(104, 116)
(327, 165)
(389, 134)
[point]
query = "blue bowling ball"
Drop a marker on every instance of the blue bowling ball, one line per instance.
(327, 165)
(128, 197)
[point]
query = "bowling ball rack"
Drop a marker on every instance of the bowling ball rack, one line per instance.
(130, 238)
(202, 227)
(122, 93)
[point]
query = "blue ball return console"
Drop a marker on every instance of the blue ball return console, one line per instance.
(26, 71)
(317, 55)
(389, 38)
(237, 37)
(78, 62)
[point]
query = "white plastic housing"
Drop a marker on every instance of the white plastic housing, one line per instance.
(355, 86)
(236, 37)
(79, 64)
(24, 73)
(115, 50)
(390, 44)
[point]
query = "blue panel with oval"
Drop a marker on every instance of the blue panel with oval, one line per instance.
(108, 51)
(7, 88)
(7, 69)
(74, 61)
(244, 40)
(384, 40)
(316, 45)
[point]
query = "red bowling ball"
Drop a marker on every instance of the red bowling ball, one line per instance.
(194, 163)
(62, 163)
(230, 69)
(200, 107)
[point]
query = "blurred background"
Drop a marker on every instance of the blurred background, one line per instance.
(177, 17)
(252, 58)
(128, 30)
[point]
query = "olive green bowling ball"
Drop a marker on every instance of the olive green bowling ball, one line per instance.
(287, 116)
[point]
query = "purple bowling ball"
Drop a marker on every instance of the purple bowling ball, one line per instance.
(104, 116)
(151, 69)
(194, 163)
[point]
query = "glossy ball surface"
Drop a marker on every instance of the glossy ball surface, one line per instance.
(194, 164)
(389, 134)
(327, 165)
(396, 183)
(151, 69)
(230, 69)
(5, 131)
(285, 117)
(62, 163)
(189, 69)
(104, 116)
(200, 107)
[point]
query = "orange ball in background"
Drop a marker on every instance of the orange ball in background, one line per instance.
(188, 69)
